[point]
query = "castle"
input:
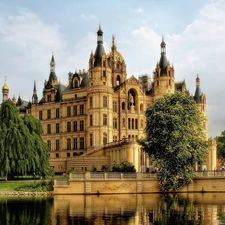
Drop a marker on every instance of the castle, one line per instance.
(96, 119)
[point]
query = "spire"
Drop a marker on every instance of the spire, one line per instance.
(113, 43)
(100, 48)
(52, 77)
(34, 96)
(52, 63)
(163, 60)
(197, 96)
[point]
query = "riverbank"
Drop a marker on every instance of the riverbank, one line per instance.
(27, 193)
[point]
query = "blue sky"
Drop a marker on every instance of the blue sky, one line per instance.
(194, 31)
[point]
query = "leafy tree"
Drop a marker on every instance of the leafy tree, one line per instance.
(220, 140)
(124, 166)
(22, 150)
(174, 139)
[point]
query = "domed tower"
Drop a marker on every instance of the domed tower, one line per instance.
(5, 91)
(100, 97)
(200, 100)
(163, 75)
(117, 63)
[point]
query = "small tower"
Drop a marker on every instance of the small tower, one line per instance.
(164, 74)
(34, 96)
(5, 91)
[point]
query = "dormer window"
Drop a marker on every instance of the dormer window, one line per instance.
(76, 83)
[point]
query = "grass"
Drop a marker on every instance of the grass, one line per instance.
(14, 185)
(26, 185)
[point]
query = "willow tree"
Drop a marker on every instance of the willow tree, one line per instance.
(175, 139)
(22, 151)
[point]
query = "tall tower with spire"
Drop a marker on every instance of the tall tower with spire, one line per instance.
(99, 94)
(5, 91)
(164, 81)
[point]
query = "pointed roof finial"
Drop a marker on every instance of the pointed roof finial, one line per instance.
(5, 86)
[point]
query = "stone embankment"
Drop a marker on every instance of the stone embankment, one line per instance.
(23, 193)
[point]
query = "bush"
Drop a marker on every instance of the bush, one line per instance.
(124, 166)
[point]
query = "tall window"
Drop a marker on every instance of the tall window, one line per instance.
(81, 109)
(105, 101)
(49, 114)
(57, 112)
(68, 143)
(91, 120)
(49, 145)
(49, 98)
(75, 110)
(114, 138)
(124, 122)
(91, 102)
(57, 128)
(74, 126)
(91, 139)
(40, 115)
(49, 129)
(105, 119)
(75, 143)
(104, 138)
(68, 126)
(81, 125)
(57, 145)
(114, 123)
(68, 111)
(82, 143)
(114, 107)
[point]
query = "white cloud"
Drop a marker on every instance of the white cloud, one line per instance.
(27, 43)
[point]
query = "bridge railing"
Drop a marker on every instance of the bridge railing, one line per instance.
(118, 176)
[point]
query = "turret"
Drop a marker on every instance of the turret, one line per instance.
(34, 96)
(164, 74)
(5, 91)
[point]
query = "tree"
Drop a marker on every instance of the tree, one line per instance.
(220, 140)
(174, 139)
(22, 150)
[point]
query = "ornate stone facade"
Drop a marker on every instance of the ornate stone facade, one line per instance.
(97, 117)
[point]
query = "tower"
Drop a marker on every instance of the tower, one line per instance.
(163, 74)
(99, 95)
(5, 91)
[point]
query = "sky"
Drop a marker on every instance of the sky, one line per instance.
(194, 32)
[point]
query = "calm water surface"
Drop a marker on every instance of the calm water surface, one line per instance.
(149, 209)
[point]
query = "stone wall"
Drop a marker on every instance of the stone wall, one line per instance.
(139, 184)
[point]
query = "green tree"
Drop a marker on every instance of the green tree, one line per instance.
(174, 139)
(22, 150)
(220, 140)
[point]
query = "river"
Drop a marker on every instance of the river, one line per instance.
(117, 209)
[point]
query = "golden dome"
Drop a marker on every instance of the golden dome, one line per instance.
(5, 86)
(114, 54)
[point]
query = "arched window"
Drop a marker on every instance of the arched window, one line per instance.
(141, 107)
(117, 80)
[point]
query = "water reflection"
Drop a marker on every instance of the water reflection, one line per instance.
(143, 209)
